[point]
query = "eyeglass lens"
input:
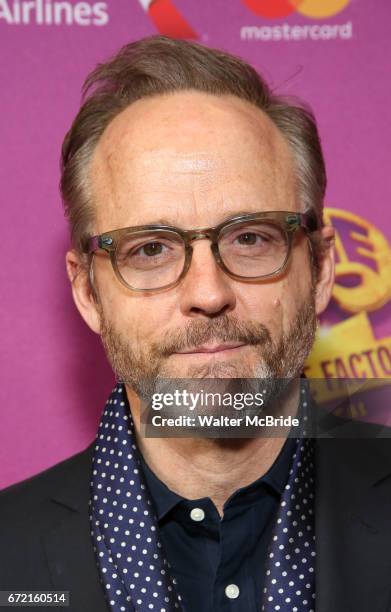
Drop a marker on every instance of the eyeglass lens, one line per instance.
(154, 259)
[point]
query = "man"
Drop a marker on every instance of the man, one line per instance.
(176, 149)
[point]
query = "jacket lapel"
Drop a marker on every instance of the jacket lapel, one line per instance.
(352, 522)
(68, 546)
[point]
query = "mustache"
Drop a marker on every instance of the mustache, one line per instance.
(223, 329)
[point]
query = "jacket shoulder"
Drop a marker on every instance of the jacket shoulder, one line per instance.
(26, 500)
(45, 538)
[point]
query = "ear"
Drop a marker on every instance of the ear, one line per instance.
(326, 274)
(83, 293)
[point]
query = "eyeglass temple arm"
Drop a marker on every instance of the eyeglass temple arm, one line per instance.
(310, 221)
(97, 242)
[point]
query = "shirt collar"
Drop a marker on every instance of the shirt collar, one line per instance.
(276, 477)
(163, 498)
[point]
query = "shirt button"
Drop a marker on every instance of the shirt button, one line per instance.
(232, 591)
(197, 514)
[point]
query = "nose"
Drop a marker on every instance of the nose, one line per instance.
(206, 289)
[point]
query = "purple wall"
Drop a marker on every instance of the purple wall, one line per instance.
(54, 376)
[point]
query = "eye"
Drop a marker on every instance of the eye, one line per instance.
(250, 238)
(151, 249)
(254, 235)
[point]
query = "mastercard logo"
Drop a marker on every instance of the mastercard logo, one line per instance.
(169, 20)
(282, 8)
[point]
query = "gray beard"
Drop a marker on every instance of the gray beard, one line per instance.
(278, 362)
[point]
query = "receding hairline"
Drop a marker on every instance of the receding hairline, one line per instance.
(157, 65)
(254, 119)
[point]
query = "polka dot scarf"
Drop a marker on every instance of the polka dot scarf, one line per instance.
(290, 573)
(130, 558)
(133, 569)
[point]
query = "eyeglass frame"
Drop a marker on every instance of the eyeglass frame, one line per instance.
(289, 221)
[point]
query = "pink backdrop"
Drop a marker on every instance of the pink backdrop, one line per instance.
(54, 378)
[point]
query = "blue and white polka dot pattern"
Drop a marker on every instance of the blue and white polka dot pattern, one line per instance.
(130, 558)
(290, 573)
(134, 571)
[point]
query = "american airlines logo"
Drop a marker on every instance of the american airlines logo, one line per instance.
(167, 19)
(48, 12)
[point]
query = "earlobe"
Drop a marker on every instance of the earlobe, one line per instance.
(326, 275)
(82, 291)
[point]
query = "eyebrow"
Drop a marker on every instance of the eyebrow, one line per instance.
(237, 213)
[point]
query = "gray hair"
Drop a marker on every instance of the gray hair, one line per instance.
(158, 65)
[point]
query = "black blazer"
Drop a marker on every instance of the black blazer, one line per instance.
(45, 539)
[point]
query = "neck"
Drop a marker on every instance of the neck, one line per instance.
(215, 468)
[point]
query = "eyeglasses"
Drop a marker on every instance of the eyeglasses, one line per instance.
(247, 247)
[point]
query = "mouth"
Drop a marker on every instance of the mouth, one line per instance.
(212, 349)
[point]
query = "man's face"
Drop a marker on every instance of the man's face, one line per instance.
(193, 160)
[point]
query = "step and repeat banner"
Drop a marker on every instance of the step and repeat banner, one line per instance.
(334, 54)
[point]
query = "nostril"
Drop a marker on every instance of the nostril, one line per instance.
(211, 314)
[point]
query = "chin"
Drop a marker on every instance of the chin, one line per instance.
(221, 370)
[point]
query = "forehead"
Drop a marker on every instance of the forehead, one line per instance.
(188, 154)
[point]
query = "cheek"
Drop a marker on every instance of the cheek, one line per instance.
(263, 305)
(294, 294)
(139, 317)
(274, 305)
(145, 318)
(277, 302)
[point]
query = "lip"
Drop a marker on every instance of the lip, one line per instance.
(217, 348)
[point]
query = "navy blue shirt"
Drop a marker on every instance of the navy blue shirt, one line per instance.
(207, 553)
